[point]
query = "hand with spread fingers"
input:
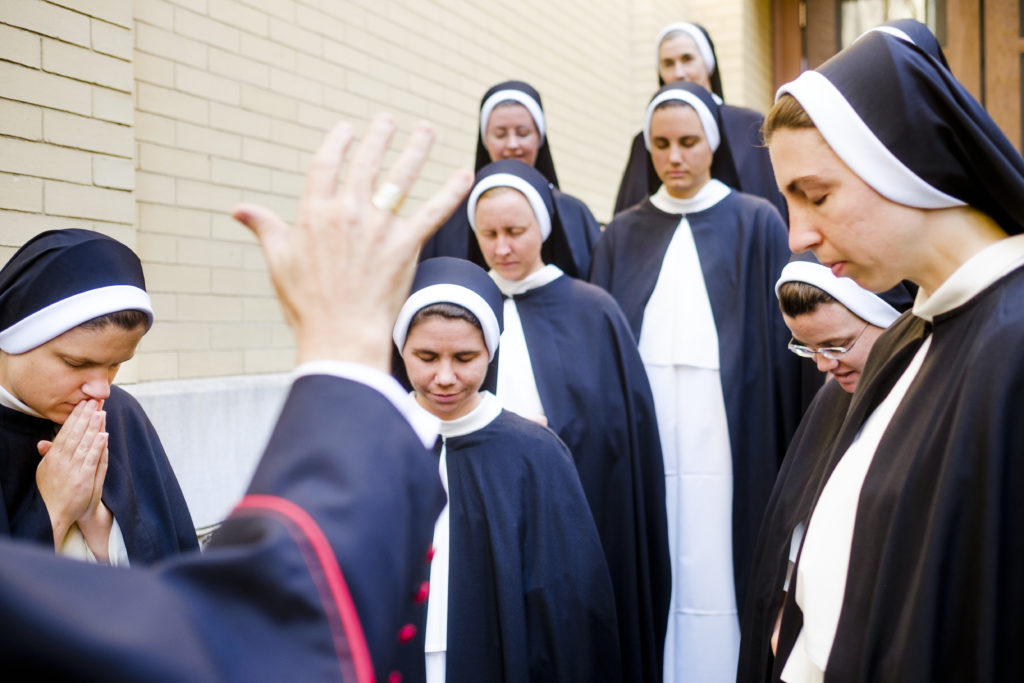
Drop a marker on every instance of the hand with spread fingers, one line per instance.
(345, 267)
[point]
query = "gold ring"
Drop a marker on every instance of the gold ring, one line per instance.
(388, 197)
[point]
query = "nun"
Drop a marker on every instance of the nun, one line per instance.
(911, 562)
(519, 589)
(692, 268)
(569, 360)
(835, 322)
(513, 126)
(684, 52)
(82, 470)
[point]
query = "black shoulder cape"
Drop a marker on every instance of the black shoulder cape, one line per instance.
(596, 397)
(530, 598)
(742, 163)
(140, 488)
(742, 245)
(803, 469)
(934, 589)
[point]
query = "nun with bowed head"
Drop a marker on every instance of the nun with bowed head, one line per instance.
(684, 52)
(519, 590)
(569, 360)
(835, 322)
(513, 126)
(693, 268)
(909, 569)
(82, 470)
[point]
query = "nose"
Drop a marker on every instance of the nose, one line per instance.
(678, 72)
(445, 375)
(502, 244)
(97, 386)
(802, 234)
(825, 364)
(675, 154)
(513, 141)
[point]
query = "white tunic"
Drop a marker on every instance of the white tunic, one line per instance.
(679, 346)
(517, 386)
(435, 635)
(822, 571)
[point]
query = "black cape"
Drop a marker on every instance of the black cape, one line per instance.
(803, 470)
(307, 580)
(140, 488)
(594, 389)
(530, 598)
(742, 245)
(741, 162)
(934, 588)
(569, 248)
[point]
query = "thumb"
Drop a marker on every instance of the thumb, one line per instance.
(43, 447)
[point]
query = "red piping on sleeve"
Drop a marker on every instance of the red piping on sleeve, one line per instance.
(326, 565)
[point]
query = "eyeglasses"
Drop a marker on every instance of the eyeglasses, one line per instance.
(829, 352)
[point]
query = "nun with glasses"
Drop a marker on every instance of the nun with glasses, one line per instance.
(692, 268)
(835, 322)
(82, 470)
(911, 562)
(513, 126)
(684, 52)
(519, 589)
(569, 360)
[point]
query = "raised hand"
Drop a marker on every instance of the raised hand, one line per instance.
(343, 271)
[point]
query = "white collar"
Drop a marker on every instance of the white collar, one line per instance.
(8, 400)
(709, 195)
(545, 275)
(975, 274)
(484, 414)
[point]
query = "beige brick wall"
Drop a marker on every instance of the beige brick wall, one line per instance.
(148, 119)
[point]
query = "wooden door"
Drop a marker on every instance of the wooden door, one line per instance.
(983, 41)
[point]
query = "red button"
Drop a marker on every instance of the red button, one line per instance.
(406, 633)
(423, 592)
(430, 554)
(394, 677)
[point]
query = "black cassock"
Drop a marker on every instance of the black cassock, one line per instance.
(596, 397)
(804, 468)
(741, 162)
(307, 580)
(529, 594)
(934, 588)
(742, 246)
(140, 488)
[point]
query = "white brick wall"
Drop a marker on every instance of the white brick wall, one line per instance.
(149, 119)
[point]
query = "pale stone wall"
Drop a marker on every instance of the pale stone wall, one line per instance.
(148, 119)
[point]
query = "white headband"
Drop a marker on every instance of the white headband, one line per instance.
(859, 148)
(519, 96)
(707, 119)
(703, 46)
(60, 316)
(540, 210)
(451, 294)
(864, 304)
(892, 31)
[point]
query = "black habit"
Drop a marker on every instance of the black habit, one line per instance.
(596, 397)
(742, 246)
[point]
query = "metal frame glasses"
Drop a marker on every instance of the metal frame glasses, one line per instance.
(829, 352)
